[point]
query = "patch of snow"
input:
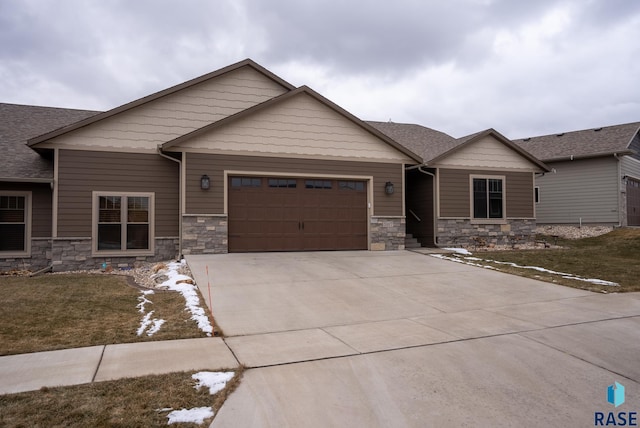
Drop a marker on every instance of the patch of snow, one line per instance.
(146, 321)
(562, 274)
(143, 300)
(215, 381)
(190, 294)
(459, 260)
(462, 251)
(196, 415)
(157, 323)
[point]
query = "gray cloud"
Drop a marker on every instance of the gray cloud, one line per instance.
(524, 68)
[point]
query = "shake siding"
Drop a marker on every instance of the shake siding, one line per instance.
(82, 172)
(300, 125)
(40, 206)
(586, 189)
(212, 201)
(455, 192)
(488, 153)
(161, 120)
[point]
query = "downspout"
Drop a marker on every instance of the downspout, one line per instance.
(180, 207)
(433, 185)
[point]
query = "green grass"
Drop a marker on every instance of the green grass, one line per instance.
(52, 312)
(614, 257)
(123, 403)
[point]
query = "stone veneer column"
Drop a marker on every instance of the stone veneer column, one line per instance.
(387, 233)
(205, 234)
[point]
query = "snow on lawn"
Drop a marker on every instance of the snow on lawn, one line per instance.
(184, 285)
(215, 381)
(462, 251)
(196, 415)
(472, 262)
(153, 325)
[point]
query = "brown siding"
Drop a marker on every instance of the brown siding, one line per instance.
(40, 206)
(212, 201)
(455, 199)
(81, 172)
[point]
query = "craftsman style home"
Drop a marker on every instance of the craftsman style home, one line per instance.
(240, 160)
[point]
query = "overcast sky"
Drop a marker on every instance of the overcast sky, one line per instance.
(523, 67)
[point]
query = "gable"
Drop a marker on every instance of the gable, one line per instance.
(488, 152)
(144, 127)
(300, 126)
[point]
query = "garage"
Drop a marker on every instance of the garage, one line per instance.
(296, 214)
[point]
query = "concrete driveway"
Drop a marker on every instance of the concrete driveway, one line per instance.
(404, 339)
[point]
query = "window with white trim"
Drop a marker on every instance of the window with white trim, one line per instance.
(14, 222)
(123, 222)
(488, 198)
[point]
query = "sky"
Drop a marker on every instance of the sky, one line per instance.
(524, 68)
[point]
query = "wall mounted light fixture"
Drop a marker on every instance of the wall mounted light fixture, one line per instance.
(388, 188)
(205, 182)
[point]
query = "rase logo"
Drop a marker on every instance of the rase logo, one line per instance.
(615, 397)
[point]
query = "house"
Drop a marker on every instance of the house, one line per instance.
(595, 176)
(240, 160)
(470, 190)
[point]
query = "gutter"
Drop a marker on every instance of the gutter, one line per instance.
(180, 207)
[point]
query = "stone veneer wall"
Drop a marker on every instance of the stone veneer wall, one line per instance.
(387, 233)
(75, 254)
(461, 232)
(40, 257)
(205, 234)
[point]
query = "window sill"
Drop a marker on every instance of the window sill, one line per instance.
(489, 221)
(14, 255)
(130, 253)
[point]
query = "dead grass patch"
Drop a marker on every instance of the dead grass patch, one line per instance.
(52, 312)
(139, 402)
(610, 257)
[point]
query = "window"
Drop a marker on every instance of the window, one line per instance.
(537, 194)
(14, 222)
(246, 182)
(488, 198)
(317, 184)
(351, 185)
(282, 182)
(123, 223)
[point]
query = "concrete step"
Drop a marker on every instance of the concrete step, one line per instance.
(411, 242)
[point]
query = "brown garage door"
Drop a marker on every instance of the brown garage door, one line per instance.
(633, 202)
(296, 214)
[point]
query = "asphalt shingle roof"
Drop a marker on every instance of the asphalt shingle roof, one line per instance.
(585, 143)
(18, 123)
(423, 141)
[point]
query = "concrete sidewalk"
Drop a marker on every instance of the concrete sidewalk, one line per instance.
(29, 372)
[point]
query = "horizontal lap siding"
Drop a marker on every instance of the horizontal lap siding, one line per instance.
(212, 201)
(581, 189)
(82, 172)
(455, 197)
(40, 206)
(179, 113)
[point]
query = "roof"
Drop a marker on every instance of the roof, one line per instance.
(421, 140)
(586, 143)
(308, 91)
(434, 145)
(160, 94)
(18, 123)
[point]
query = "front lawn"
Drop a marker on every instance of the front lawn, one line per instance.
(613, 257)
(55, 311)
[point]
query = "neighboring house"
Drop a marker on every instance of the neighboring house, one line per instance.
(595, 176)
(470, 190)
(26, 181)
(240, 160)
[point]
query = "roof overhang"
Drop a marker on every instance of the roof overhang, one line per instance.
(25, 180)
(590, 156)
